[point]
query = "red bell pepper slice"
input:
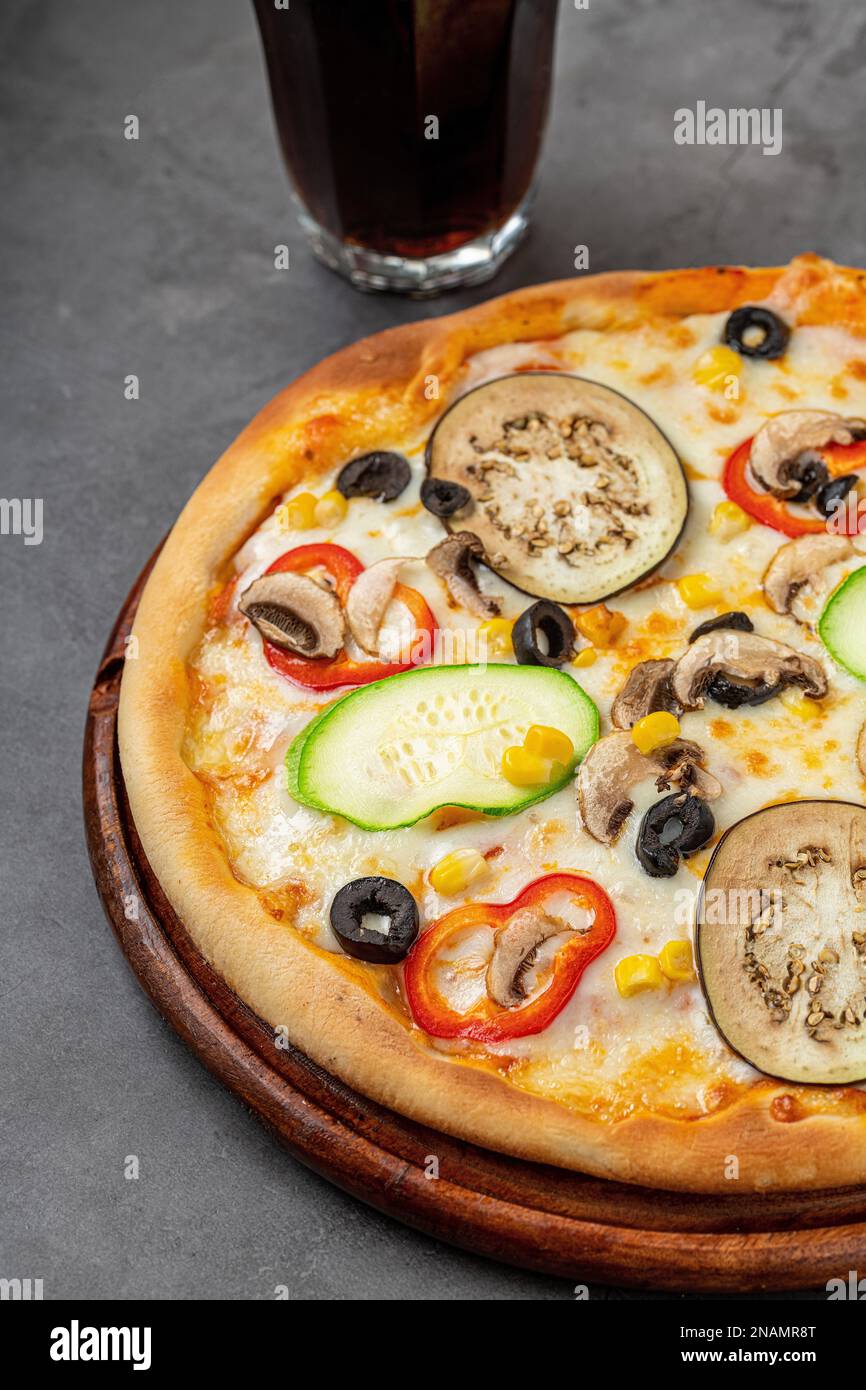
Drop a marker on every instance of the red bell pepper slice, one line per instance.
(487, 1022)
(327, 673)
(762, 506)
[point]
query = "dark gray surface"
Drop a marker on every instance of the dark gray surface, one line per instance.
(156, 258)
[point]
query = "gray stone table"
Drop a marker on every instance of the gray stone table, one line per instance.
(156, 258)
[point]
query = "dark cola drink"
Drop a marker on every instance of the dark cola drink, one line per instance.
(410, 129)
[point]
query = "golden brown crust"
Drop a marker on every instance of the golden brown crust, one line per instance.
(367, 396)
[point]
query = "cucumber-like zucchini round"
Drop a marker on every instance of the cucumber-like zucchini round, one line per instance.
(781, 941)
(392, 752)
(842, 625)
(573, 491)
(293, 757)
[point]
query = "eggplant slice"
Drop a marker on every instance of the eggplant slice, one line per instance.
(781, 941)
(575, 492)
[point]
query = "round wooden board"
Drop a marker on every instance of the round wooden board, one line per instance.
(541, 1218)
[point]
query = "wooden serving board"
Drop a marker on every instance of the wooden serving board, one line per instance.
(578, 1227)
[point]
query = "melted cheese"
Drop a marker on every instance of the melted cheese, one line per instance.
(605, 1055)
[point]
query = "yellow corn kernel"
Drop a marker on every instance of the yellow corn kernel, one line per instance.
(496, 636)
(634, 974)
(600, 625)
(699, 590)
(675, 959)
(331, 508)
(299, 512)
(715, 366)
(655, 731)
(546, 742)
(587, 657)
(457, 871)
(524, 769)
(801, 705)
(728, 520)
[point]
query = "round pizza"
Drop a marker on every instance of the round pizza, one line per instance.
(496, 723)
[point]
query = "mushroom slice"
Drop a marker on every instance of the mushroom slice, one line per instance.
(799, 564)
(781, 943)
(754, 668)
(294, 612)
(451, 560)
(861, 750)
(368, 601)
(615, 764)
(776, 456)
(514, 953)
(646, 691)
(573, 490)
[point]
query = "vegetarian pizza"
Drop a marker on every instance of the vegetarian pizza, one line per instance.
(496, 723)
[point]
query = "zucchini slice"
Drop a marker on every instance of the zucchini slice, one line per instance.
(296, 748)
(572, 489)
(391, 752)
(781, 941)
(842, 625)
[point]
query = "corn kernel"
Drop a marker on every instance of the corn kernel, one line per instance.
(600, 625)
(546, 742)
(728, 520)
(715, 366)
(699, 590)
(801, 705)
(634, 974)
(457, 870)
(655, 731)
(587, 657)
(524, 769)
(496, 635)
(675, 959)
(331, 508)
(300, 512)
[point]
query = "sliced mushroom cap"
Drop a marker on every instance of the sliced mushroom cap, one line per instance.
(451, 560)
(779, 444)
(736, 621)
(514, 953)
(294, 612)
(572, 489)
(368, 601)
(861, 750)
(780, 941)
(754, 661)
(799, 564)
(647, 690)
(614, 765)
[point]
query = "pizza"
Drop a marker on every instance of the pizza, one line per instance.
(496, 723)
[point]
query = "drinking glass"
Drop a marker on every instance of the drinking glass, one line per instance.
(410, 130)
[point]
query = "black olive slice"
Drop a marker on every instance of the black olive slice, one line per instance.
(543, 635)
(381, 897)
(444, 498)
(733, 694)
(780, 941)
(749, 317)
(381, 475)
(677, 825)
(736, 621)
(829, 497)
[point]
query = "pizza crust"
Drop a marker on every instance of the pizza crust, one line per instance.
(367, 396)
